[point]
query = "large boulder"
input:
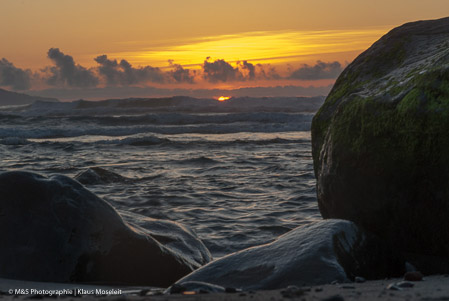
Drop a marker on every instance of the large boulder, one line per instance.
(320, 253)
(380, 143)
(53, 229)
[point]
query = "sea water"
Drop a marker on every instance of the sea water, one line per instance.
(239, 174)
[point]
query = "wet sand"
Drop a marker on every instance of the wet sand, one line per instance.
(431, 288)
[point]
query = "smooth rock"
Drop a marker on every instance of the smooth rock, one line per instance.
(55, 230)
(405, 284)
(310, 255)
(380, 143)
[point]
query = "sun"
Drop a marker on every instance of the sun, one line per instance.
(223, 98)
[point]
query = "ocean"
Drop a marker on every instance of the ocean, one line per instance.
(239, 173)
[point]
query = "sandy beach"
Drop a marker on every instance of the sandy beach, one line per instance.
(431, 288)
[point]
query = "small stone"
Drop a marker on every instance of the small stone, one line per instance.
(230, 290)
(359, 279)
(413, 276)
(292, 291)
(335, 282)
(393, 287)
(405, 284)
(318, 289)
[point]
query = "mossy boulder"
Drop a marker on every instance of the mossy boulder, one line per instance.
(380, 143)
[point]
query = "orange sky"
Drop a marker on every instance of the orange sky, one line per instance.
(284, 34)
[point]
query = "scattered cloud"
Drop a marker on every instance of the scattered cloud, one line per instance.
(266, 71)
(13, 77)
(248, 71)
(123, 73)
(67, 73)
(219, 71)
(112, 77)
(320, 70)
(180, 74)
(222, 71)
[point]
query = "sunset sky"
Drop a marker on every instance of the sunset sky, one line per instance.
(93, 49)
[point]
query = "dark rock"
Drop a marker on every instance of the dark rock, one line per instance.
(413, 276)
(380, 143)
(309, 255)
(98, 175)
(359, 280)
(175, 237)
(53, 229)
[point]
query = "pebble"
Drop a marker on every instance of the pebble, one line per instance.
(292, 291)
(405, 284)
(335, 282)
(413, 276)
(398, 286)
(393, 287)
(359, 280)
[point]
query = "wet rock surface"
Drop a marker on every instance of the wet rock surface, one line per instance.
(55, 230)
(326, 251)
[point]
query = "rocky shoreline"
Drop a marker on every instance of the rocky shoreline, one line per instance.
(434, 287)
(380, 157)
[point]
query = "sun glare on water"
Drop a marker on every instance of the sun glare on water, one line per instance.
(223, 98)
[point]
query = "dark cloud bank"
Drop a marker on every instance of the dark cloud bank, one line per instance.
(112, 75)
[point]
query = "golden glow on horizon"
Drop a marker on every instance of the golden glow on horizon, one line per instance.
(223, 98)
(272, 47)
(149, 29)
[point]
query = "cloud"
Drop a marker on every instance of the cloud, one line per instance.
(266, 71)
(124, 73)
(13, 77)
(222, 71)
(181, 75)
(247, 70)
(320, 70)
(66, 72)
(219, 71)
